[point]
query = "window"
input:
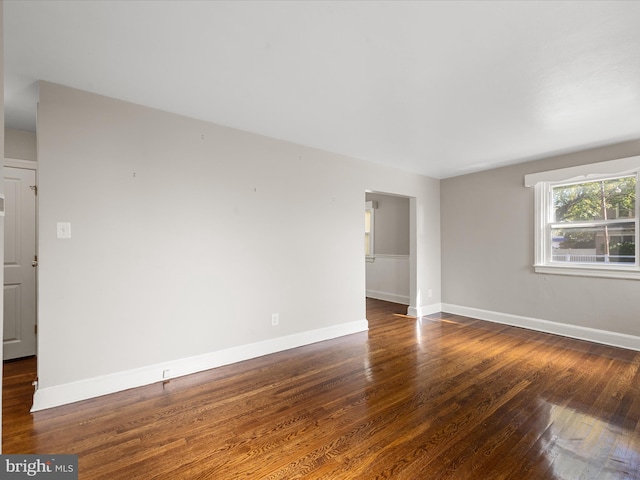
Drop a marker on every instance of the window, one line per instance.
(594, 222)
(368, 228)
(588, 224)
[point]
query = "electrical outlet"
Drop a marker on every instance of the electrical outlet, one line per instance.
(429, 293)
(275, 319)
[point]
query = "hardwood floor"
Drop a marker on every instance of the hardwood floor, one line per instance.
(445, 397)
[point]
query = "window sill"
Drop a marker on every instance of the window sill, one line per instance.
(630, 273)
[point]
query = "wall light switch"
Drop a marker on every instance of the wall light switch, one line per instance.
(63, 230)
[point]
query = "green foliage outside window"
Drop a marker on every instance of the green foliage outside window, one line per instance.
(604, 200)
(607, 199)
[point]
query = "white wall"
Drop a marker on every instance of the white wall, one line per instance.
(488, 255)
(20, 144)
(187, 236)
(388, 278)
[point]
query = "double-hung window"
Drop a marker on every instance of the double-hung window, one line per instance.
(587, 219)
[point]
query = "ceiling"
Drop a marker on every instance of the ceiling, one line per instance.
(437, 88)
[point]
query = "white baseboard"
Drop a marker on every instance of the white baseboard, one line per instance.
(605, 337)
(48, 397)
(388, 297)
(424, 310)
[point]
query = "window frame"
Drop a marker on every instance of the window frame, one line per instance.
(543, 184)
(369, 207)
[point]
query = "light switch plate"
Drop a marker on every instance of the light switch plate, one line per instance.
(63, 230)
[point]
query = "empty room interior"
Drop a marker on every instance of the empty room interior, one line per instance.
(322, 240)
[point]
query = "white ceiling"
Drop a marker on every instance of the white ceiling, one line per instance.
(438, 88)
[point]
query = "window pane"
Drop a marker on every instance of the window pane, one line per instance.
(612, 244)
(601, 200)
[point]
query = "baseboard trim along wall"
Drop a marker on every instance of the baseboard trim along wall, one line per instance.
(49, 397)
(605, 337)
(388, 297)
(424, 310)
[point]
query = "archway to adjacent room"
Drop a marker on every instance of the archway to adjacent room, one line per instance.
(388, 253)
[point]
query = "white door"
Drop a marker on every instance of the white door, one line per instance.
(19, 263)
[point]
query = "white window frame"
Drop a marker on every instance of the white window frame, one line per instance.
(543, 183)
(370, 208)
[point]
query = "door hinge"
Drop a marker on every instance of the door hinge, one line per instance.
(34, 188)
(35, 329)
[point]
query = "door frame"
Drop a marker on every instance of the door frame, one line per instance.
(30, 165)
(413, 279)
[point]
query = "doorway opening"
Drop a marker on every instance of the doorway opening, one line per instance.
(388, 252)
(20, 259)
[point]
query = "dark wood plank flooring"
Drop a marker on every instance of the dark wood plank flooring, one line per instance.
(445, 397)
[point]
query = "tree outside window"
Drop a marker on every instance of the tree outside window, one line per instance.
(594, 221)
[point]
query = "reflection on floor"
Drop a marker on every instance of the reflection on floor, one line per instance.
(439, 397)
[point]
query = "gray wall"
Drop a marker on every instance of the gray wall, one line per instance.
(488, 251)
(19, 144)
(391, 226)
(216, 230)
